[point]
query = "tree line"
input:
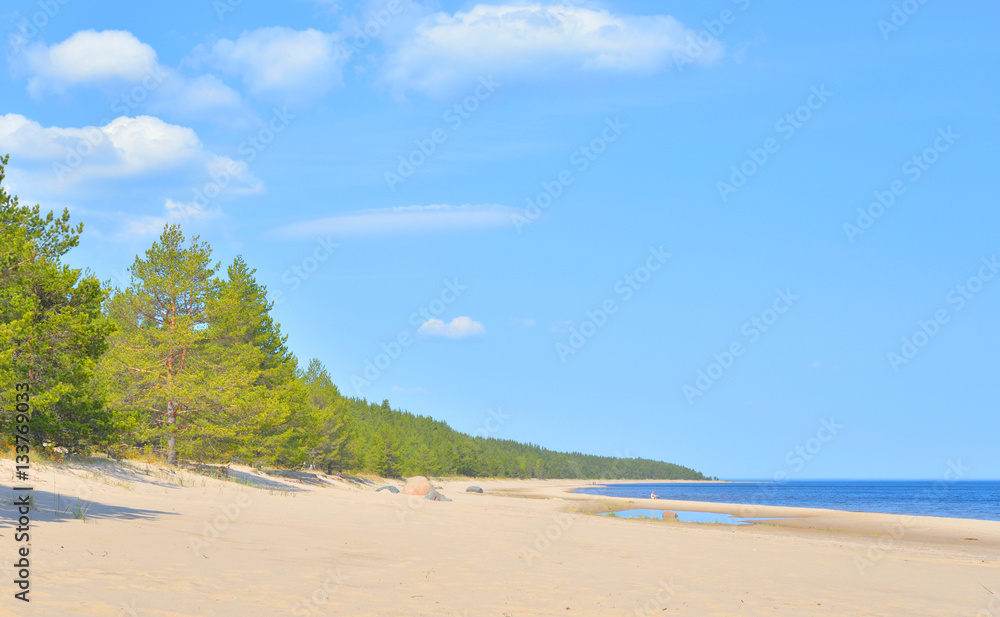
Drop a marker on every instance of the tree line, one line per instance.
(185, 362)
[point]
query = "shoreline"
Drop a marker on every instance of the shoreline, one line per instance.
(728, 507)
(926, 528)
(174, 543)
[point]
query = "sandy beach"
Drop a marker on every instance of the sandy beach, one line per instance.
(142, 540)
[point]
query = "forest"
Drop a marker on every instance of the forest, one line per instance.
(186, 363)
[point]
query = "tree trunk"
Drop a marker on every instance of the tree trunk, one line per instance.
(171, 437)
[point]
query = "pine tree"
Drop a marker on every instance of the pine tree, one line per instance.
(160, 364)
(331, 425)
(52, 331)
(244, 342)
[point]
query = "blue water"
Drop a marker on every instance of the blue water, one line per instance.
(955, 499)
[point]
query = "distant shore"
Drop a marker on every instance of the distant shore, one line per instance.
(137, 539)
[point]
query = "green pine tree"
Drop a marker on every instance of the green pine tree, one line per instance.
(161, 366)
(246, 345)
(52, 331)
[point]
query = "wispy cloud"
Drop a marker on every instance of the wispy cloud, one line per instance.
(533, 42)
(406, 220)
(174, 212)
(459, 328)
(401, 390)
(281, 64)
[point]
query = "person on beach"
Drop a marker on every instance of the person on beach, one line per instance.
(653, 495)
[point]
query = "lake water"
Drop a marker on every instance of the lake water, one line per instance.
(954, 499)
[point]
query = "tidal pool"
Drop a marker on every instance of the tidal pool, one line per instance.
(687, 516)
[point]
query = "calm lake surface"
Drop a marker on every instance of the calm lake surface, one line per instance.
(954, 499)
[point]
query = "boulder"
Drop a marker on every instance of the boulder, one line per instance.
(417, 485)
(391, 489)
(473, 489)
(433, 495)
(669, 516)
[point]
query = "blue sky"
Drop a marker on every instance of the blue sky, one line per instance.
(623, 228)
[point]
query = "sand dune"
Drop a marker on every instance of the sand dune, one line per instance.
(143, 540)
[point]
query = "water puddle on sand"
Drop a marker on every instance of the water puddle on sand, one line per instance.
(688, 517)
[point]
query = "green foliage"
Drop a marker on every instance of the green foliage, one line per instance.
(161, 366)
(391, 442)
(189, 364)
(52, 331)
(319, 435)
(245, 341)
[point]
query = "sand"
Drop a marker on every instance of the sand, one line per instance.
(154, 542)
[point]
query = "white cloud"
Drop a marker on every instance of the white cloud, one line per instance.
(88, 56)
(146, 143)
(407, 219)
(202, 97)
(123, 147)
(56, 164)
(175, 212)
(460, 327)
(282, 64)
(533, 42)
(127, 69)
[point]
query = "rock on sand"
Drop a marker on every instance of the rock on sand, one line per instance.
(417, 485)
(433, 495)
